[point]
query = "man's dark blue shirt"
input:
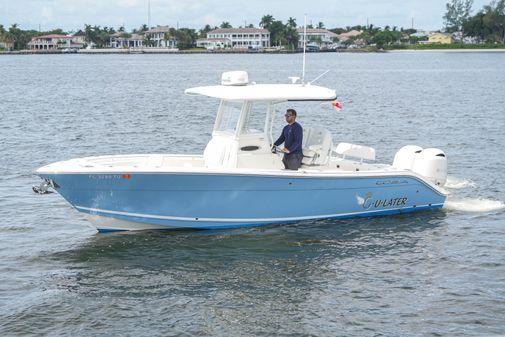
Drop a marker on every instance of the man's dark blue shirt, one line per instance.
(291, 136)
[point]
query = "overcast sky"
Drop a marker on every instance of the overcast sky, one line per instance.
(73, 14)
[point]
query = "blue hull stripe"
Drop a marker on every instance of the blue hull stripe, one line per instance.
(252, 220)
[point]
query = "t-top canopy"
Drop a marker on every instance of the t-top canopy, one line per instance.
(266, 92)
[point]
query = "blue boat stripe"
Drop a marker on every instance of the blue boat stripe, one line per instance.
(247, 220)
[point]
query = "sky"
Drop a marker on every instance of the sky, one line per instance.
(71, 15)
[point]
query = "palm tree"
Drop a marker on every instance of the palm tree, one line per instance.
(90, 33)
(291, 23)
(14, 35)
(2, 33)
(291, 35)
(266, 21)
(202, 33)
(225, 24)
(147, 41)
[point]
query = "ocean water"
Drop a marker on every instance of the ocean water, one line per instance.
(434, 273)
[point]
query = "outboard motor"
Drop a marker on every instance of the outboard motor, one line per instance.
(405, 157)
(432, 164)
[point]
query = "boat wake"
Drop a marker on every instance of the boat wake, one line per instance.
(473, 204)
(456, 183)
(454, 203)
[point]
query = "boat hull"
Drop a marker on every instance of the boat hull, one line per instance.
(140, 201)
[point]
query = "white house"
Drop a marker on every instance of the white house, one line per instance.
(240, 38)
(212, 44)
(321, 37)
(160, 37)
(125, 40)
(55, 41)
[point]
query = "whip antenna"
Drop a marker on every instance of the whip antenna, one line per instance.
(315, 79)
(304, 43)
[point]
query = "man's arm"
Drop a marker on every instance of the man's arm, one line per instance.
(281, 139)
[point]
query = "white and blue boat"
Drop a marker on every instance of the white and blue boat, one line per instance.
(238, 181)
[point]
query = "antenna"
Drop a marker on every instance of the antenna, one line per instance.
(315, 79)
(148, 14)
(304, 43)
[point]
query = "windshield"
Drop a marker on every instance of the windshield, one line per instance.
(255, 118)
(230, 114)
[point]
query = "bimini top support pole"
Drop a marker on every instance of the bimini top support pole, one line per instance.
(304, 43)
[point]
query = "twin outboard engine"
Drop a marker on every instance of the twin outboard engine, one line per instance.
(430, 163)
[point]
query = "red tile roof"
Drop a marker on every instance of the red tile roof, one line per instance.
(159, 29)
(315, 31)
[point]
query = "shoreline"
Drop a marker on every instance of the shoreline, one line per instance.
(271, 52)
(448, 50)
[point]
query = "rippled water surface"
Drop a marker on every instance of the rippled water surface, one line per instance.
(435, 273)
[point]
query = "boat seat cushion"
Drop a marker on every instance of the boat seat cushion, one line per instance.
(317, 145)
(356, 151)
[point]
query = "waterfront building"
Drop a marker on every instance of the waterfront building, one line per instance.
(79, 37)
(159, 37)
(125, 40)
(349, 35)
(212, 44)
(440, 38)
(238, 38)
(6, 45)
(420, 34)
(55, 42)
(319, 37)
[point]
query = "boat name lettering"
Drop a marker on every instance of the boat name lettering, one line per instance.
(391, 182)
(105, 176)
(370, 202)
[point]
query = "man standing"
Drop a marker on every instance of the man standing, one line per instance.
(291, 136)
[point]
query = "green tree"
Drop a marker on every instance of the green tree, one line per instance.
(266, 21)
(148, 42)
(291, 34)
(291, 23)
(320, 25)
(497, 20)
(386, 37)
(89, 33)
(98, 36)
(225, 24)
(17, 37)
(476, 27)
(185, 38)
(275, 27)
(458, 11)
(489, 23)
(277, 30)
(203, 32)
(2, 33)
